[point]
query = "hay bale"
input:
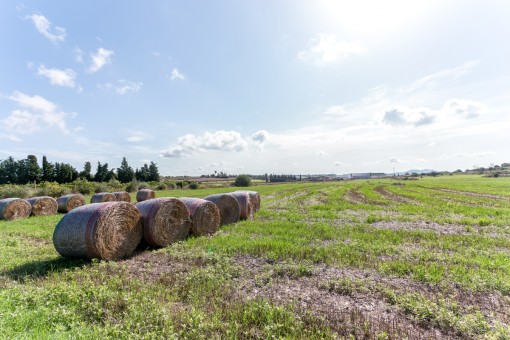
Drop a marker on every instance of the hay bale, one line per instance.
(165, 220)
(230, 212)
(254, 199)
(108, 231)
(103, 197)
(43, 205)
(243, 198)
(69, 202)
(122, 196)
(145, 194)
(14, 208)
(205, 215)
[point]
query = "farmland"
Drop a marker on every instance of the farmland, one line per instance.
(388, 258)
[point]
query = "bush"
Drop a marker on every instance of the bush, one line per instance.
(52, 189)
(15, 191)
(82, 186)
(242, 181)
(132, 186)
(194, 185)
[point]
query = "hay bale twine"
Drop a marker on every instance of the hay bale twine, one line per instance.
(254, 199)
(14, 208)
(165, 220)
(243, 198)
(122, 196)
(230, 212)
(108, 231)
(69, 202)
(43, 205)
(102, 197)
(205, 215)
(145, 194)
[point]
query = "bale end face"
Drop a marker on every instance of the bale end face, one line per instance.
(69, 202)
(205, 216)
(14, 208)
(43, 206)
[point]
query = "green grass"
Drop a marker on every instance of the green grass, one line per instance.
(446, 234)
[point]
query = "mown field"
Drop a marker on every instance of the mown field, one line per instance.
(381, 259)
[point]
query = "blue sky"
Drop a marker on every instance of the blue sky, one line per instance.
(257, 86)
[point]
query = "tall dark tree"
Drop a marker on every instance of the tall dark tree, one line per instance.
(153, 172)
(33, 170)
(65, 173)
(48, 170)
(9, 171)
(142, 174)
(87, 171)
(125, 173)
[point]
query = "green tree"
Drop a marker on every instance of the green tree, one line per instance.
(9, 171)
(125, 173)
(48, 170)
(242, 181)
(142, 175)
(87, 172)
(153, 172)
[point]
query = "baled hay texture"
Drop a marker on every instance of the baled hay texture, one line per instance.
(165, 220)
(103, 197)
(108, 231)
(145, 194)
(243, 198)
(230, 212)
(122, 196)
(43, 206)
(14, 208)
(69, 202)
(205, 216)
(254, 199)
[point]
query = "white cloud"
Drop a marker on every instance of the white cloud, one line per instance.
(176, 74)
(138, 136)
(122, 87)
(58, 77)
(408, 116)
(229, 141)
(34, 114)
(260, 136)
(465, 108)
(45, 27)
(100, 59)
(78, 55)
(325, 48)
(322, 153)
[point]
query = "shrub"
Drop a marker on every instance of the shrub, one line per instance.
(82, 186)
(132, 186)
(15, 191)
(52, 189)
(242, 181)
(194, 185)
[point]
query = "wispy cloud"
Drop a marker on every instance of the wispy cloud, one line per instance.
(325, 48)
(34, 113)
(177, 75)
(54, 34)
(99, 59)
(57, 76)
(122, 87)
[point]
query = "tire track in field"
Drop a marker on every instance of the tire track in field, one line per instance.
(393, 197)
(468, 193)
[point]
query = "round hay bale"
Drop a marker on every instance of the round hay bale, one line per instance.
(205, 215)
(165, 220)
(108, 231)
(254, 199)
(243, 198)
(122, 196)
(145, 194)
(43, 205)
(103, 197)
(69, 202)
(14, 208)
(230, 212)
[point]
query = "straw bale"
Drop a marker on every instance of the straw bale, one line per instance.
(108, 231)
(122, 196)
(69, 202)
(43, 205)
(230, 212)
(14, 208)
(103, 197)
(254, 199)
(165, 220)
(145, 194)
(205, 215)
(243, 198)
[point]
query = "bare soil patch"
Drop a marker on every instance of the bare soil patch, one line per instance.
(468, 193)
(393, 197)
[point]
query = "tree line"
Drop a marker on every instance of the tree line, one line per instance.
(28, 171)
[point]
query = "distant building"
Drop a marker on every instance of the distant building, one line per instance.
(368, 175)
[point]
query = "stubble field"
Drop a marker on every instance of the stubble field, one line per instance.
(381, 259)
